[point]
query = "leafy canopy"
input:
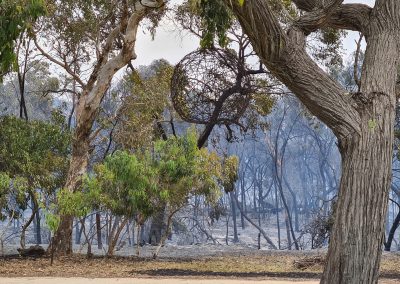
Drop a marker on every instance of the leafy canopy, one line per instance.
(33, 156)
(217, 19)
(169, 173)
(145, 105)
(16, 16)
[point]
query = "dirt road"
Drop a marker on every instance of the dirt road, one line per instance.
(55, 280)
(142, 281)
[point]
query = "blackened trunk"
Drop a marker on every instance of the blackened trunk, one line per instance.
(289, 239)
(393, 229)
(38, 233)
(157, 227)
(98, 231)
(277, 217)
(233, 205)
(78, 232)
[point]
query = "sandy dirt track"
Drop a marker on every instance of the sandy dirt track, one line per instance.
(143, 281)
(55, 280)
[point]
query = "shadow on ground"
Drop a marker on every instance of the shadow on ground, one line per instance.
(193, 273)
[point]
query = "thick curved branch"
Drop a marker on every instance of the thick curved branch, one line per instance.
(334, 14)
(306, 5)
(355, 17)
(317, 18)
(285, 57)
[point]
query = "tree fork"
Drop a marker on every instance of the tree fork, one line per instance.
(90, 100)
(362, 123)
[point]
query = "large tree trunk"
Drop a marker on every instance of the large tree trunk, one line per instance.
(78, 164)
(107, 64)
(358, 232)
(356, 243)
(362, 122)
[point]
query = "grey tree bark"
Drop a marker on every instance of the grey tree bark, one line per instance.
(108, 63)
(362, 122)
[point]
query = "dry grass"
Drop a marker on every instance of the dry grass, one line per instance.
(261, 264)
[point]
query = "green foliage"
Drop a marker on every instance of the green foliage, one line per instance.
(34, 150)
(124, 184)
(34, 155)
(216, 21)
(15, 17)
(77, 22)
(139, 184)
(72, 203)
(230, 173)
(262, 104)
(5, 182)
(186, 170)
(145, 105)
(329, 49)
(53, 221)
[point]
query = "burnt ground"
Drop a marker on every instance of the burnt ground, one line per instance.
(244, 264)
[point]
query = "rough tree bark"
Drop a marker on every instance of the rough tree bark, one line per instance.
(362, 122)
(89, 101)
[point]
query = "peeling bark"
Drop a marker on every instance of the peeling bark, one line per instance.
(89, 102)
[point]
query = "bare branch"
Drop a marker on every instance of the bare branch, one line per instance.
(61, 64)
(285, 57)
(356, 79)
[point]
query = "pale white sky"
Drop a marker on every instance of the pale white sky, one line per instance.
(171, 45)
(349, 42)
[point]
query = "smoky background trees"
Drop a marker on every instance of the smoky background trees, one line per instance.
(275, 93)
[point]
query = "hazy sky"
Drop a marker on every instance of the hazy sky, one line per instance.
(171, 45)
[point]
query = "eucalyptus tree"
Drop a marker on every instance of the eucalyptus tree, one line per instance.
(222, 83)
(16, 16)
(33, 155)
(362, 121)
(90, 41)
(159, 177)
(38, 90)
(146, 110)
